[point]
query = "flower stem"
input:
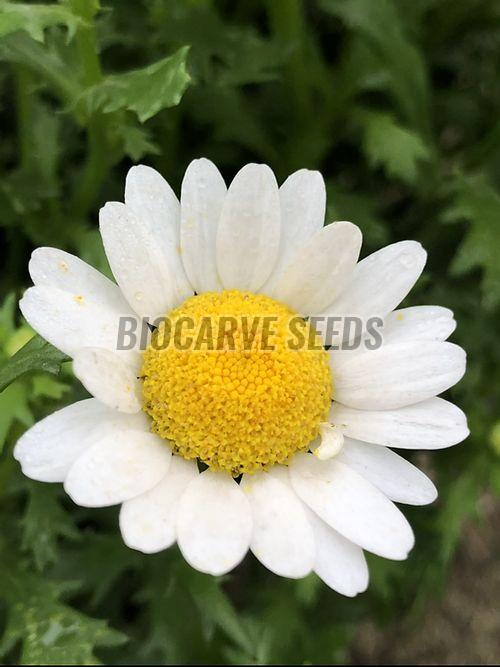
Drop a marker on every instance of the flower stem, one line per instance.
(98, 135)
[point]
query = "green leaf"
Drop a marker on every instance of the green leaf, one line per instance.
(253, 61)
(99, 560)
(461, 503)
(45, 386)
(13, 407)
(47, 64)
(169, 639)
(215, 608)
(136, 141)
(18, 339)
(85, 8)
(494, 438)
(308, 589)
(36, 355)
(35, 19)
(44, 522)
(51, 632)
(7, 324)
(479, 203)
(380, 24)
(144, 91)
(397, 149)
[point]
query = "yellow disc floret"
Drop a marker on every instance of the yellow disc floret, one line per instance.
(236, 380)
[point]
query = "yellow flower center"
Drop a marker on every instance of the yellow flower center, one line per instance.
(237, 380)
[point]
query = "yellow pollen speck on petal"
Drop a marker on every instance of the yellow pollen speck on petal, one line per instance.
(400, 317)
(63, 266)
(80, 300)
(231, 390)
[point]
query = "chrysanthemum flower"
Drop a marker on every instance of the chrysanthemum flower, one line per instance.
(285, 452)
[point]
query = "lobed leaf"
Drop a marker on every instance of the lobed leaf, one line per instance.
(50, 632)
(36, 355)
(395, 148)
(476, 201)
(36, 18)
(144, 91)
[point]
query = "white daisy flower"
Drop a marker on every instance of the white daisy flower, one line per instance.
(296, 443)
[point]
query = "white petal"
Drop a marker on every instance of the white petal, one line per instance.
(418, 323)
(150, 197)
(396, 375)
(338, 562)
(320, 269)
(352, 506)
(139, 262)
(281, 472)
(55, 268)
(282, 537)
(71, 322)
(431, 424)
(331, 441)
(303, 203)
(202, 196)
(248, 236)
(341, 564)
(148, 522)
(48, 449)
(214, 523)
(117, 467)
(380, 282)
(108, 377)
(397, 478)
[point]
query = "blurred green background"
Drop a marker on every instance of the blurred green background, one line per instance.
(397, 103)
